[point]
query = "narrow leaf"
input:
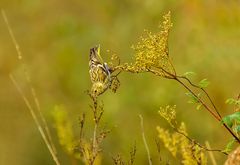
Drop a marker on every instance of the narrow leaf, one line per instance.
(230, 119)
(237, 129)
(193, 99)
(227, 120)
(204, 83)
(229, 146)
(199, 106)
(235, 116)
(188, 74)
(232, 101)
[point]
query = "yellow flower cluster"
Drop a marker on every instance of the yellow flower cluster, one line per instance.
(170, 140)
(168, 113)
(177, 143)
(151, 52)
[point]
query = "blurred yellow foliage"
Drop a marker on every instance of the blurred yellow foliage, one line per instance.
(64, 129)
(177, 143)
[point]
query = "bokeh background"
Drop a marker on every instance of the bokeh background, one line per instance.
(55, 38)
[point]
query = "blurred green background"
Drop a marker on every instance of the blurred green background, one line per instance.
(55, 38)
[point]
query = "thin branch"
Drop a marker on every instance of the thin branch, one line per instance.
(217, 117)
(204, 91)
(171, 76)
(208, 109)
(175, 77)
(198, 144)
(145, 141)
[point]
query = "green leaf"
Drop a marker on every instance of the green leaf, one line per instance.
(235, 116)
(193, 99)
(229, 146)
(199, 106)
(227, 120)
(204, 83)
(188, 74)
(230, 119)
(237, 129)
(232, 101)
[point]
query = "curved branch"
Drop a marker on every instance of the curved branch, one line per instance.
(198, 144)
(204, 91)
(208, 109)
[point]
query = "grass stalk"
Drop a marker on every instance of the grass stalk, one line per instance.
(44, 131)
(145, 141)
(34, 116)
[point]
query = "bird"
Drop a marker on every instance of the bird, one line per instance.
(100, 73)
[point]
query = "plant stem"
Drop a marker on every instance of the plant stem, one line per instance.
(34, 116)
(204, 91)
(145, 141)
(211, 154)
(208, 109)
(196, 143)
(44, 131)
(217, 117)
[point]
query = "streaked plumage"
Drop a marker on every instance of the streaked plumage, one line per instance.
(100, 73)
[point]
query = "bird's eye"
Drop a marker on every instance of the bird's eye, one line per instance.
(95, 91)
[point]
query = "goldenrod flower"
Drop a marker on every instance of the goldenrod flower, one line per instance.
(151, 52)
